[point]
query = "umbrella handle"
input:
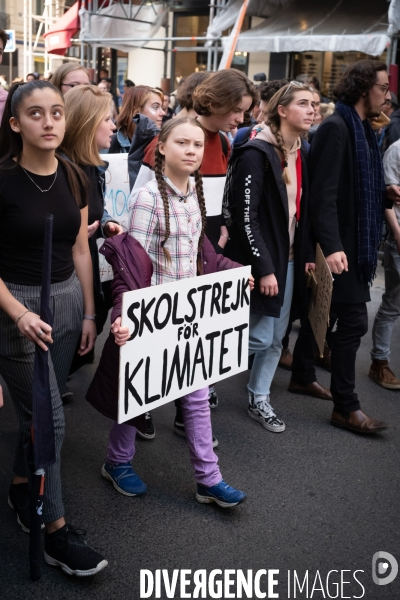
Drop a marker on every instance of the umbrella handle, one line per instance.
(36, 508)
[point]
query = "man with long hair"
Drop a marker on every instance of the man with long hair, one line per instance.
(347, 202)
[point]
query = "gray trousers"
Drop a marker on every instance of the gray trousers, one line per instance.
(17, 355)
(389, 310)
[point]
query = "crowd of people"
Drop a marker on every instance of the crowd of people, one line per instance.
(225, 174)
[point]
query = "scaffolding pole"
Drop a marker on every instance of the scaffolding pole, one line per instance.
(51, 12)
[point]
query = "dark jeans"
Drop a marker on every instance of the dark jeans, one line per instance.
(285, 341)
(352, 324)
(305, 350)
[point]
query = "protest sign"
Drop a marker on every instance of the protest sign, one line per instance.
(321, 296)
(184, 336)
(116, 200)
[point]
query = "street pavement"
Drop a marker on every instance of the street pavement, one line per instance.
(319, 498)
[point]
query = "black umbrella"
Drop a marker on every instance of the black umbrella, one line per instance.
(42, 452)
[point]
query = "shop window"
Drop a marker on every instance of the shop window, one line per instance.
(186, 62)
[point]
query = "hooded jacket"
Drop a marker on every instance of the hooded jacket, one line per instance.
(392, 133)
(132, 270)
(266, 135)
(260, 217)
(145, 131)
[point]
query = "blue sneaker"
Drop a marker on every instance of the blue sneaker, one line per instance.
(222, 493)
(124, 479)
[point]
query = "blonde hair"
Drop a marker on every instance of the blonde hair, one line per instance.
(85, 107)
(326, 110)
(62, 71)
(283, 97)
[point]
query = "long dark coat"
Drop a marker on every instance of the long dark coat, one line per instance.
(333, 206)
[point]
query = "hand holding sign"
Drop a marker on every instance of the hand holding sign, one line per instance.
(121, 334)
(182, 336)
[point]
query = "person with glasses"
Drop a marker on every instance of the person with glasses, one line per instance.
(68, 75)
(347, 202)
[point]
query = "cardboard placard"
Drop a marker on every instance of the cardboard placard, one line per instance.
(321, 287)
(184, 335)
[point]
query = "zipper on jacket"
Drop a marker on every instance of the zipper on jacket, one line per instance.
(122, 261)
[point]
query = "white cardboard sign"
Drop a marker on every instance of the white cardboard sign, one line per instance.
(116, 200)
(184, 336)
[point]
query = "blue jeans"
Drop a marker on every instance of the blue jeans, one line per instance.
(265, 340)
(389, 310)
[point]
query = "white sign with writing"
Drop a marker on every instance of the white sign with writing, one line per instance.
(184, 336)
(116, 200)
(10, 46)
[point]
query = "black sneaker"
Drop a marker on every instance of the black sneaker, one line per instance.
(261, 410)
(149, 432)
(19, 500)
(66, 548)
(179, 429)
(67, 395)
(213, 398)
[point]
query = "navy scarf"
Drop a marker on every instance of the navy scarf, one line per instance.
(369, 189)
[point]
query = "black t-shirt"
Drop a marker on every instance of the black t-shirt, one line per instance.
(23, 209)
(95, 198)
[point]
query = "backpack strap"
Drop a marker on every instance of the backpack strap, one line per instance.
(224, 144)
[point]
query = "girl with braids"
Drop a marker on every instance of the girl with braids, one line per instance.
(34, 181)
(168, 218)
(220, 102)
(269, 230)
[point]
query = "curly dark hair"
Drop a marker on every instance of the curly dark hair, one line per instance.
(268, 88)
(357, 80)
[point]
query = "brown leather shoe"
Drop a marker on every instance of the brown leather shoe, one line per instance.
(286, 359)
(383, 375)
(358, 421)
(324, 361)
(314, 389)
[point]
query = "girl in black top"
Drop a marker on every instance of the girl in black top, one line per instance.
(34, 180)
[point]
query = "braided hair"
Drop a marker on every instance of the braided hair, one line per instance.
(285, 171)
(202, 205)
(283, 97)
(162, 186)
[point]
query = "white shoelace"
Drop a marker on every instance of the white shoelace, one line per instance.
(264, 407)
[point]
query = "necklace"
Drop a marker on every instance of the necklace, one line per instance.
(34, 182)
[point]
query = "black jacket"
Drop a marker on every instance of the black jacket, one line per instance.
(145, 131)
(392, 133)
(260, 217)
(333, 204)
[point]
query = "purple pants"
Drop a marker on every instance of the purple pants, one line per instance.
(197, 420)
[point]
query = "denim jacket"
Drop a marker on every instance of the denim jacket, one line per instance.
(106, 218)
